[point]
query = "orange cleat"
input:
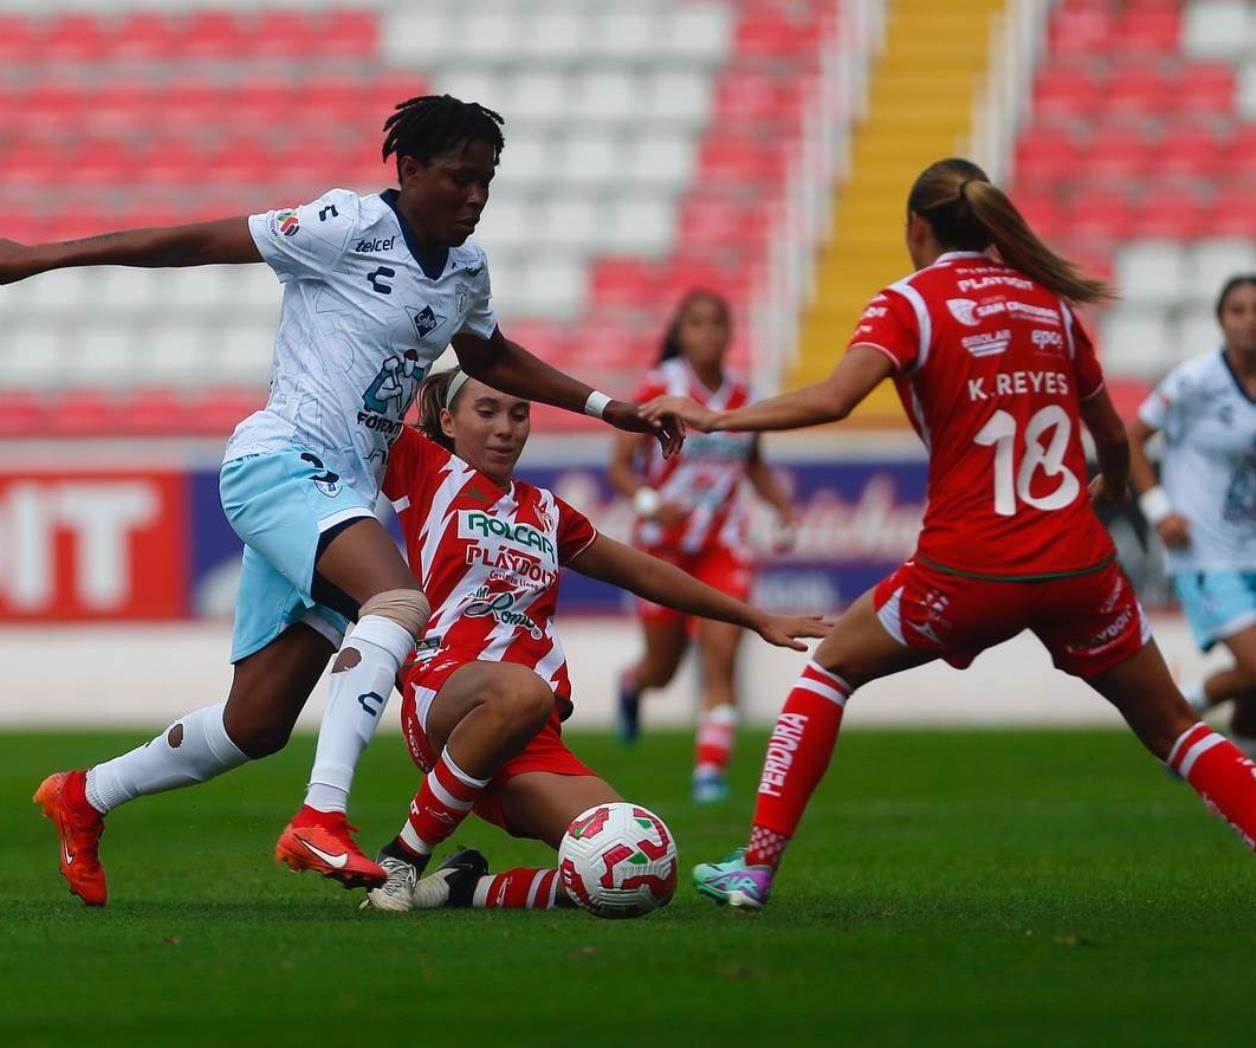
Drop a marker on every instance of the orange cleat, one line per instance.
(322, 841)
(64, 800)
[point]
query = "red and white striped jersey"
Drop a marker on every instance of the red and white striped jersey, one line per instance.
(992, 368)
(486, 557)
(706, 476)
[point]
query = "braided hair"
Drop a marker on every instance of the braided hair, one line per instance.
(429, 125)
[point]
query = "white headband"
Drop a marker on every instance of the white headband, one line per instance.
(455, 384)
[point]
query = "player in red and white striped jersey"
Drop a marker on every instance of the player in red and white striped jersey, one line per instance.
(691, 511)
(485, 697)
(998, 378)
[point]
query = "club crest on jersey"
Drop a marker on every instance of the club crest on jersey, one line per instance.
(462, 296)
(426, 320)
(964, 310)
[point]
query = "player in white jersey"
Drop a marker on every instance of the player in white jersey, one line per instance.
(1204, 507)
(375, 287)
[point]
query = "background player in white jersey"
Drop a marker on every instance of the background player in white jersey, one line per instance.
(375, 288)
(691, 512)
(1204, 506)
(488, 690)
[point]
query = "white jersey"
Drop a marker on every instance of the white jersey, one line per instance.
(1209, 467)
(362, 322)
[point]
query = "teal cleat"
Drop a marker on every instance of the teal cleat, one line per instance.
(733, 883)
(709, 787)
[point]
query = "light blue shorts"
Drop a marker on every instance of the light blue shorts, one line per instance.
(1218, 604)
(280, 503)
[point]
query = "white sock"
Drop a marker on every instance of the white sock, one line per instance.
(356, 699)
(193, 749)
(1195, 696)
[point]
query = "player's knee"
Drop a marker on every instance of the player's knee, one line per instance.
(521, 700)
(408, 608)
(256, 737)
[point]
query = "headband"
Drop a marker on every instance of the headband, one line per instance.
(455, 386)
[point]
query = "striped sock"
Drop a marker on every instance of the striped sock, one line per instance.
(522, 888)
(1223, 777)
(798, 756)
(715, 739)
(444, 799)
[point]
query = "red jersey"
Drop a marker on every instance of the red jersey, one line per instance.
(991, 368)
(705, 477)
(486, 557)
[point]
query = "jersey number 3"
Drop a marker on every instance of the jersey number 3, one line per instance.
(1010, 482)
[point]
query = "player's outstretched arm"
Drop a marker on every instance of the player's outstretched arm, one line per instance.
(507, 366)
(859, 372)
(768, 485)
(662, 583)
(1173, 527)
(225, 241)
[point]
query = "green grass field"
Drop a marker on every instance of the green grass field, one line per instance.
(947, 887)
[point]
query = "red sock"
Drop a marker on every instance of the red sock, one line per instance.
(798, 755)
(518, 889)
(444, 799)
(715, 738)
(1222, 776)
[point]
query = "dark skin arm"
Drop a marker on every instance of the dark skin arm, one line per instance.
(1175, 529)
(666, 584)
(767, 485)
(1112, 447)
(859, 372)
(507, 366)
(226, 241)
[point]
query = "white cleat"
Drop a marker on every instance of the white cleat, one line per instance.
(396, 895)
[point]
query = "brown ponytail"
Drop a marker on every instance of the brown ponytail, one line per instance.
(431, 398)
(968, 213)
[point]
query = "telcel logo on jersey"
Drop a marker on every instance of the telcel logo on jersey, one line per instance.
(370, 245)
(476, 524)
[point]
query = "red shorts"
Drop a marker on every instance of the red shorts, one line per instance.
(420, 684)
(1089, 623)
(719, 567)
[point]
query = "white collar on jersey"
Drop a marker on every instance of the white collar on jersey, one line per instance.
(952, 255)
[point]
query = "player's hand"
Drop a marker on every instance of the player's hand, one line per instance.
(1175, 531)
(1102, 494)
(669, 514)
(784, 630)
(666, 427)
(15, 261)
(688, 411)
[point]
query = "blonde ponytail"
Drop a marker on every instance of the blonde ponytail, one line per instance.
(967, 212)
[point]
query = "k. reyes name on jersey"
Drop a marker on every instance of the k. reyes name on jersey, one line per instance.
(488, 558)
(364, 316)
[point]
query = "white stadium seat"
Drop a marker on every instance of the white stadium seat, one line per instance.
(537, 96)
(1136, 342)
(491, 36)
(572, 222)
(601, 96)
(697, 32)
(554, 287)
(626, 35)
(664, 160)
(1150, 270)
(1247, 90)
(678, 97)
(1210, 263)
(642, 225)
(1195, 332)
(1219, 28)
(590, 159)
(553, 36)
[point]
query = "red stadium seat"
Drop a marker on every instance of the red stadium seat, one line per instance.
(1174, 216)
(1204, 89)
(1117, 156)
(1137, 89)
(624, 281)
(211, 34)
(73, 38)
(1149, 27)
(21, 414)
(144, 36)
(1085, 29)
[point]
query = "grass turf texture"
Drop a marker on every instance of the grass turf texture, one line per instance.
(948, 887)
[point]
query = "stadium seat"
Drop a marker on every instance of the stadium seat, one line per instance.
(1149, 271)
(1209, 263)
(1136, 342)
(1218, 28)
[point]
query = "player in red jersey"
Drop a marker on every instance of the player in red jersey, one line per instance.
(690, 511)
(484, 699)
(997, 376)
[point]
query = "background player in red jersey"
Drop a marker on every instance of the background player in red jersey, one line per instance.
(486, 695)
(690, 511)
(996, 375)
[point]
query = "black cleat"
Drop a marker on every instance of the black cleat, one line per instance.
(452, 883)
(628, 720)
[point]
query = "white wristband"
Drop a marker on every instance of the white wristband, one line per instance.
(596, 404)
(1155, 504)
(646, 502)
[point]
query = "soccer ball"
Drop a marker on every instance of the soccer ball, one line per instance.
(618, 860)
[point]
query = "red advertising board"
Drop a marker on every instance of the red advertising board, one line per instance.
(101, 544)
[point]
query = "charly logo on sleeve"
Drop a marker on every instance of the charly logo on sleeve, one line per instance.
(285, 223)
(500, 606)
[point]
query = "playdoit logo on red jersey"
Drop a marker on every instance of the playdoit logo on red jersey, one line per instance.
(108, 545)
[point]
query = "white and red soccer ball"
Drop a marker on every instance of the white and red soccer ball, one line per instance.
(618, 860)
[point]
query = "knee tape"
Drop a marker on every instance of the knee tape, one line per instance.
(406, 607)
